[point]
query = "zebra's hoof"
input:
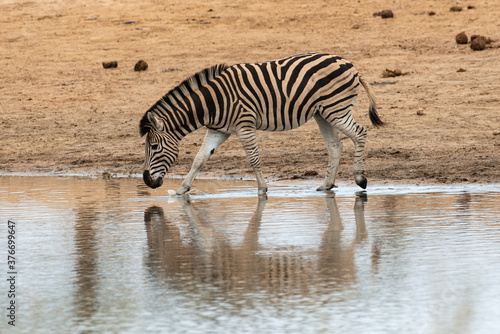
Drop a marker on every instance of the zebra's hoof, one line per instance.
(182, 190)
(363, 182)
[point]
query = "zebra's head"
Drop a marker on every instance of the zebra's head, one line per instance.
(161, 150)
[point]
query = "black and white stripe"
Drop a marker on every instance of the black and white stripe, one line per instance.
(277, 95)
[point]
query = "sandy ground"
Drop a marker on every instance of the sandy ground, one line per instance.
(62, 112)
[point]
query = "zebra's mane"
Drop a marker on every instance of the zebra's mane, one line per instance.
(184, 89)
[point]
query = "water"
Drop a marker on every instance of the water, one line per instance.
(112, 256)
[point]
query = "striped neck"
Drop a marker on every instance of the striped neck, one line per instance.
(182, 110)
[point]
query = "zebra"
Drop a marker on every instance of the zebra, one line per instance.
(276, 95)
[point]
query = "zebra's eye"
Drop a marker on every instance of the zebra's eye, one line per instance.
(154, 147)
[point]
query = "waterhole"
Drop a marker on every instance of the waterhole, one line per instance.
(111, 255)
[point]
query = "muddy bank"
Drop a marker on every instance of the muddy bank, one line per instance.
(63, 112)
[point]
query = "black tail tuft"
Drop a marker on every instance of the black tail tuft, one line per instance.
(372, 110)
(374, 116)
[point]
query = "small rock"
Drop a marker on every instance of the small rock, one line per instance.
(109, 64)
(356, 26)
(461, 70)
(420, 111)
(141, 66)
(462, 38)
(311, 173)
(385, 14)
(496, 133)
(431, 13)
(478, 44)
(456, 9)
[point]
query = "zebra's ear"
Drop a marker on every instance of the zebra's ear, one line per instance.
(156, 123)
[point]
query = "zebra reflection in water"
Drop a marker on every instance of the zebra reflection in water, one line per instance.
(198, 257)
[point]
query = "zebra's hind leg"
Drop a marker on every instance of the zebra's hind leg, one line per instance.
(357, 134)
(213, 139)
(334, 146)
(248, 139)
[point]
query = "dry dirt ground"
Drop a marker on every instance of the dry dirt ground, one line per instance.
(62, 112)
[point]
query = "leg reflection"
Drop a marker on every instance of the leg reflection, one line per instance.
(336, 260)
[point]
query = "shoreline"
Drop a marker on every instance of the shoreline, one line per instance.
(272, 180)
(206, 187)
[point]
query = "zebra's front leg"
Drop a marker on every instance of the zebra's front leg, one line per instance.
(213, 139)
(248, 139)
(334, 146)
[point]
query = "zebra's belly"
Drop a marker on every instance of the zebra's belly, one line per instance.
(280, 128)
(283, 121)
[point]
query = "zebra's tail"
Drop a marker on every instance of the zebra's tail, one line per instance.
(372, 111)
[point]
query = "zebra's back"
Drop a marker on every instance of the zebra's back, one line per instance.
(285, 93)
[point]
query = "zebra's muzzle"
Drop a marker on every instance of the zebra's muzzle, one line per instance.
(150, 182)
